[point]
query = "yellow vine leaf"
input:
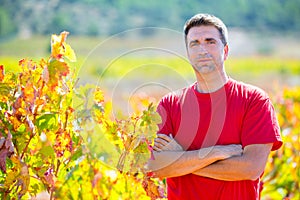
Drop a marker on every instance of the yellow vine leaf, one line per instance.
(69, 53)
(98, 96)
(60, 49)
(13, 173)
(10, 178)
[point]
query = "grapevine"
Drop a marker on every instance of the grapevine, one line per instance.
(45, 147)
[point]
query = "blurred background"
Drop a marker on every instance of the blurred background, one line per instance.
(107, 17)
(133, 46)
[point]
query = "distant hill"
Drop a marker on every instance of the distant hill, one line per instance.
(107, 17)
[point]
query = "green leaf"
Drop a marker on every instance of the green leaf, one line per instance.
(21, 142)
(141, 148)
(77, 154)
(5, 89)
(21, 128)
(47, 151)
(35, 188)
(47, 121)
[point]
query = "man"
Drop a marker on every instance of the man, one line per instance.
(215, 135)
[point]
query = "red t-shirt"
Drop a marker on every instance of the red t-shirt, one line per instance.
(235, 114)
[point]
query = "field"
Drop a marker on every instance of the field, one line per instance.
(128, 63)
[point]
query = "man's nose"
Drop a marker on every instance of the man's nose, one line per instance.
(202, 52)
(202, 49)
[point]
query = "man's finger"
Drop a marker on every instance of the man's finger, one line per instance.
(161, 141)
(164, 137)
(155, 148)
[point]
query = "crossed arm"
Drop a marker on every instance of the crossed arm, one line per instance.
(223, 162)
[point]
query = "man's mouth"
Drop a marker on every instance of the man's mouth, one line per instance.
(204, 60)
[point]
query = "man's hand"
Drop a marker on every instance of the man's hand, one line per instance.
(166, 143)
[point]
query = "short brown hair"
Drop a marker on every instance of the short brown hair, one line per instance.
(206, 20)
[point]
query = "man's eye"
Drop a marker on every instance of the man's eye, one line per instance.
(192, 44)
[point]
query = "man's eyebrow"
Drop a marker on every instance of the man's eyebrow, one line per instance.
(210, 39)
(195, 40)
(206, 39)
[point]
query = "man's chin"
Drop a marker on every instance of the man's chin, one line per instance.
(204, 69)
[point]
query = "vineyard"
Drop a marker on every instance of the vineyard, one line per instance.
(63, 140)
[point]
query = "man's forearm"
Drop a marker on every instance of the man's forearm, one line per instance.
(179, 163)
(231, 169)
(249, 166)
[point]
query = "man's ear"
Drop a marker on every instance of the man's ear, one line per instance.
(226, 50)
(187, 53)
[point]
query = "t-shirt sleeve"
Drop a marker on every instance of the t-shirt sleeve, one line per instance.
(163, 110)
(260, 125)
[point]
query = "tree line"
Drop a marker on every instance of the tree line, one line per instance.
(107, 17)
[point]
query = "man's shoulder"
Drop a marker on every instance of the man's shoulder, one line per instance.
(177, 95)
(248, 90)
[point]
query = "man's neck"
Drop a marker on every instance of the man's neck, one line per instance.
(211, 82)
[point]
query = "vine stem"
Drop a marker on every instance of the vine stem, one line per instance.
(121, 161)
(51, 195)
(26, 147)
(55, 173)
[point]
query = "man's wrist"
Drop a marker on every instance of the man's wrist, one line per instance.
(204, 152)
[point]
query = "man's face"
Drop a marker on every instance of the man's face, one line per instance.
(205, 49)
